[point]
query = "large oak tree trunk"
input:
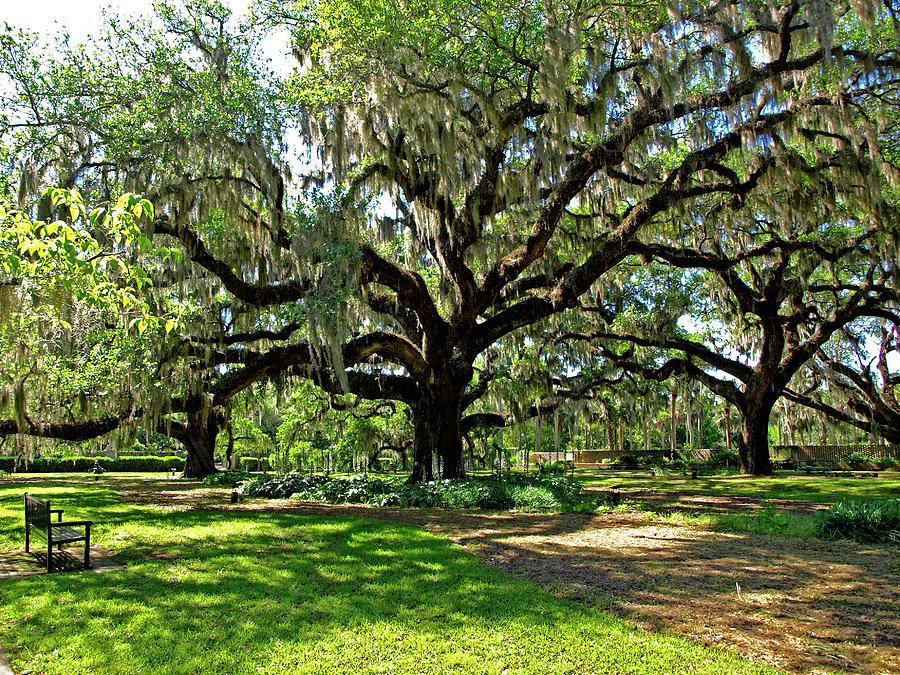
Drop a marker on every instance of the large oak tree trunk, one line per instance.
(199, 440)
(754, 445)
(436, 417)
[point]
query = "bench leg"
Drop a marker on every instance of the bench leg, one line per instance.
(49, 555)
(27, 528)
(87, 546)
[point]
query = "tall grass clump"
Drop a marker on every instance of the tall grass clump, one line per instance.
(866, 522)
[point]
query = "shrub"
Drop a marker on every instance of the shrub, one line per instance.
(142, 463)
(83, 464)
(254, 464)
(628, 462)
(534, 491)
(866, 522)
(559, 466)
(725, 458)
(280, 487)
(784, 464)
(534, 497)
(857, 457)
(227, 478)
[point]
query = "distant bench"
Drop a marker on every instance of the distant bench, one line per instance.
(822, 468)
(38, 522)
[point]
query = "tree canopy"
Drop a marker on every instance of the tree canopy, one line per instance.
(438, 185)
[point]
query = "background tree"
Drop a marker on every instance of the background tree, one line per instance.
(854, 386)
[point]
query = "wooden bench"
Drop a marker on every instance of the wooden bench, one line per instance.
(823, 469)
(38, 522)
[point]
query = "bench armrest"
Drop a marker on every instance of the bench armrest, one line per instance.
(58, 513)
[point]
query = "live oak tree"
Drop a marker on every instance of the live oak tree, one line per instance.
(851, 385)
(767, 302)
(473, 170)
(164, 110)
(522, 150)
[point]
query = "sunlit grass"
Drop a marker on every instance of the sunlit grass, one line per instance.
(812, 488)
(246, 591)
(766, 520)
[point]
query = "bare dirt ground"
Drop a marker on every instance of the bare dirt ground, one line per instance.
(806, 606)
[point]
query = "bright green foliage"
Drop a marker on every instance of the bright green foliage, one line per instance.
(530, 491)
(34, 255)
(867, 522)
(227, 478)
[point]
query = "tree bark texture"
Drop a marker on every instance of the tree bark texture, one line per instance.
(436, 417)
(199, 439)
(754, 446)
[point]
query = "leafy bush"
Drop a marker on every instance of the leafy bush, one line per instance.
(83, 464)
(784, 464)
(142, 463)
(280, 487)
(227, 478)
(533, 491)
(534, 497)
(628, 462)
(866, 522)
(725, 458)
(857, 457)
(254, 464)
(559, 466)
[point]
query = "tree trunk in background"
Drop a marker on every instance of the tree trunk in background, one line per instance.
(754, 445)
(436, 417)
(556, 434)
(199, 439)
(674, 430)
(727, 426)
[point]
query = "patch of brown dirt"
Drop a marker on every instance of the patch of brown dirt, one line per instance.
(806, 606)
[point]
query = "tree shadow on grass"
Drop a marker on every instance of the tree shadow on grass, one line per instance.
(799, 604)
(241, 590)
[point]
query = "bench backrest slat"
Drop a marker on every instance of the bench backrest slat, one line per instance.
(37, 513)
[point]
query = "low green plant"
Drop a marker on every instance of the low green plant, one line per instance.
(725, 458)
(529, 491)
(227, 478)
(558, 466)
(857, 457)
(866, 522)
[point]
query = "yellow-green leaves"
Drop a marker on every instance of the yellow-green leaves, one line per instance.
(97, 257)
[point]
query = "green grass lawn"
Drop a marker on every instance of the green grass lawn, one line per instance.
(246, 591)
(796, 486)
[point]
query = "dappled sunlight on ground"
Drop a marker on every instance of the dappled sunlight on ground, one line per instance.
(804, 605)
